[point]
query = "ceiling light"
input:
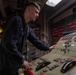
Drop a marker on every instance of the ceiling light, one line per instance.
(53, 3)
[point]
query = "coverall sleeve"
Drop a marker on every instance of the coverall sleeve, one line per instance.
(36, 42)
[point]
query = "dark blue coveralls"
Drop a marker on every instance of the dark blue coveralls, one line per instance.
(11, 50)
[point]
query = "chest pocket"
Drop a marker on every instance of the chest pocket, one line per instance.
(23, 33)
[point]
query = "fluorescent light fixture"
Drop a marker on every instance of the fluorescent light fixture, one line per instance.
(53, 3)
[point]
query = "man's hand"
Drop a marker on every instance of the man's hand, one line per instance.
(50, 48)
(26, 64)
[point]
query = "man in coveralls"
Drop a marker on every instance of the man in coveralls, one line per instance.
(18, 29)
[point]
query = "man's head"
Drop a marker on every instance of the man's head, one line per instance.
(31, 12)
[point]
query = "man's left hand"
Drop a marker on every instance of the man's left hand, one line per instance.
(50, 48)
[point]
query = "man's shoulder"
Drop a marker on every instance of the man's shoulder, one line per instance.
(16, 17)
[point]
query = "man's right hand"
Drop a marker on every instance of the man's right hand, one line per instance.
(26, 64)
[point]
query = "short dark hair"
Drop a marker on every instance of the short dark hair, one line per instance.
(32, 4)
(22, 9)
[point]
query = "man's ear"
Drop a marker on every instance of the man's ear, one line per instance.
(29, 8)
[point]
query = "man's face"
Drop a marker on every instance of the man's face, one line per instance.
(34, 13)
